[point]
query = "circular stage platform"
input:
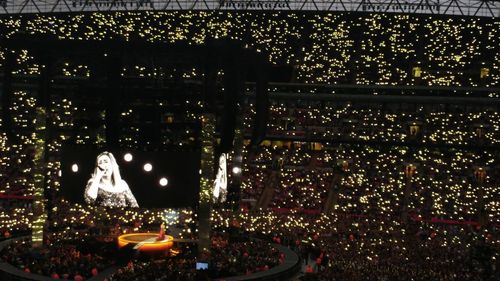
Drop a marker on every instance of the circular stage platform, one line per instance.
(146, 242)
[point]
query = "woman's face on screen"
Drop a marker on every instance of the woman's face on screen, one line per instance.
(104, 163)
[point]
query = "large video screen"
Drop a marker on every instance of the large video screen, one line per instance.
(130, 178)
(219, 193)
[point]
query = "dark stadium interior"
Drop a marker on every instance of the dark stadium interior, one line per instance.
(360, 146)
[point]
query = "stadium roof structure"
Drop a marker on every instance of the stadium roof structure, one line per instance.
(476, 8)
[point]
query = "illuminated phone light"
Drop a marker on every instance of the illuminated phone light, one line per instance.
(148, 167)
(236, 170)
(74, 168)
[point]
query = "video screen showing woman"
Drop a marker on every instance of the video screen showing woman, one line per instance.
(220, 182)
(106, 187)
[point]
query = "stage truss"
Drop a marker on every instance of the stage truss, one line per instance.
(477, 8)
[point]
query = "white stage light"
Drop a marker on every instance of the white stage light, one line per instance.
(128, 157)
(148, 167)
(163, 181)
(74, 168)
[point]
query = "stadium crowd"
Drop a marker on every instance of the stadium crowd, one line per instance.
(444, 183)
(440, 124)
(414, 186)
(332, 247)
(384, 49)
(59, 261)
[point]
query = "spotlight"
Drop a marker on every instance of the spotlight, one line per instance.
(163, 181)
(148, 167)
(236, 170)
(74, 168)
(128, 157)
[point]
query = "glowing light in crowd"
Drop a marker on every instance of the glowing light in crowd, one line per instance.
(74, 168)
(236, 170)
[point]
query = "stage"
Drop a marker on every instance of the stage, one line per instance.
(146, 242)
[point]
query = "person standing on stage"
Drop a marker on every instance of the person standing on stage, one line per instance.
(161, 235)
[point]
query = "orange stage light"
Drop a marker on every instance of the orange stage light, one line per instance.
(146, 242)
